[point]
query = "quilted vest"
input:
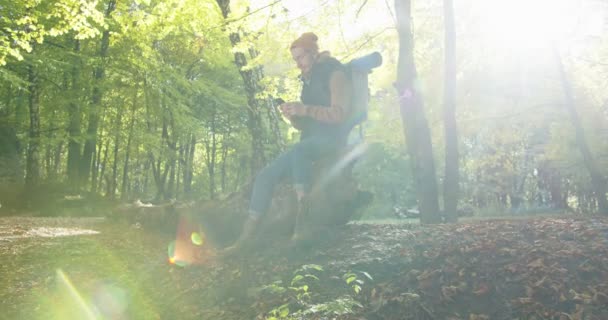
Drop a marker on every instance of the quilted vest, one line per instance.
(316, 92)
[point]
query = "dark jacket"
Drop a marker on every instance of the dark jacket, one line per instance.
(317, 94)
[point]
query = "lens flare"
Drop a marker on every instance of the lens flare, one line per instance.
(174, 257)
(197, 238)
(110, 300)
(353, 154)
(75, 295)
(191, 246)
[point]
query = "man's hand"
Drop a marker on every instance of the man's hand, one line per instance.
(291, 109)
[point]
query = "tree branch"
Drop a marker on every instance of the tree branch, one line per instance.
(360, 8)
(368, 40)
(229, 21)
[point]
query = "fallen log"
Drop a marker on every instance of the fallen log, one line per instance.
(334, 201)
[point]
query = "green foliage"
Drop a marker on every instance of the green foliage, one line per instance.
(354, 281)
(304, 302)
(338, 307)
(29, 22)
(170, 87)
(377, 169)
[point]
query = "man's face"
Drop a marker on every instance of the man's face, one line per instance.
(303, 58)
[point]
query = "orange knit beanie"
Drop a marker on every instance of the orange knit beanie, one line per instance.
(306, 41)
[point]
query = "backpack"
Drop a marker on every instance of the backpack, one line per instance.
(358, 69)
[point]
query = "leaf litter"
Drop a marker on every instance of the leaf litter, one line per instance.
(537, 268)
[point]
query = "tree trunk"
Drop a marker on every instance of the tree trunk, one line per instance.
(172, 156)
(170, 194)
(125, 170)
(451, 181)
(95, 109)
(416, 128)
(74, 124)
(6, 111)
(160, 174)
(566, 194)
(53, 153)
(156, 174)
(168, 145)
(188, 168)
(180, 168)
(597, 180)
(32, 176)
(149, 164)
(556, 190)
(211, 150)
(95, 165)
(48, 158)
(274, 115)
(10, 157)
(251, 80)
(102, 165)
(114, 181)
(224, 160)
(239, 172)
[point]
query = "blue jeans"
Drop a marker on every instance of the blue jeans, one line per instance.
(295, 162)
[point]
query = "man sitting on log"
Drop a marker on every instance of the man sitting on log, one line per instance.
(321, 116)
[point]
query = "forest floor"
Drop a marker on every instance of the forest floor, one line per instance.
(89, 268)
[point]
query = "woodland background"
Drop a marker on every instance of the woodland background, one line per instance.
(481, 107)
(112, 101)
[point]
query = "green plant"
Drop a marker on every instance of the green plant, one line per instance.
(354, 281)
(301, 300)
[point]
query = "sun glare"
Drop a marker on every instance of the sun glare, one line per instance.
(85, 310)
(527, 25)
(190, 246)
(517, 23)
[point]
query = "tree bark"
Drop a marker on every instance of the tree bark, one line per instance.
(211, 150)
(172, 156)
(6, 111)
(114, 181)
(180, 168)
(160, 175)
(10, 154)
(102, 166)
(32, 176)
(598, 182)
(125, 170)
(170, 194)
(451, 181)
(95, 165)
(251, 79)
(74, 144)
(96, 107)
(416, 128)
(224, 160)
(57, 158)
(188, 170)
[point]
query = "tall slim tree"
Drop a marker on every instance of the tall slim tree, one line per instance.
(416, 127)
(125, 171)
(32, 176)
(211, 152)
(117, 138)
(74, 109)
(451, 181)
(188, 171)
(251, 79)
(597, 180)
(95, 109)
